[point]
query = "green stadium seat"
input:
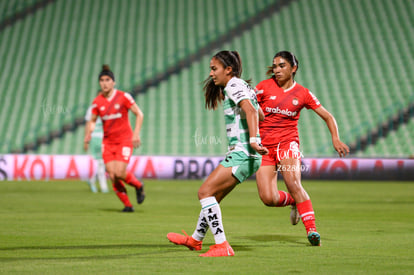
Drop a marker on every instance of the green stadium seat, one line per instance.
(356, 64)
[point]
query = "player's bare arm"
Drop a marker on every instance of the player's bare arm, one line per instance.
(330, 121)
(89, 127)
(136, 140)
(261, 114)
(252, 123)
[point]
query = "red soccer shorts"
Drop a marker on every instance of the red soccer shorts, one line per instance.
(117, 152)
(280, 152)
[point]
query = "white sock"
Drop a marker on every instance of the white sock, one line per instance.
(202, 227)
(91, 183)
(102, 176)
(212, 213)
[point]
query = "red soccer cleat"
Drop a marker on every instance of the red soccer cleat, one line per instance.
(219, 250)
(186, 240)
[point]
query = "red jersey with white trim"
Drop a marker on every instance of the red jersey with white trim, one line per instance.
(114, 114)
(282, 111)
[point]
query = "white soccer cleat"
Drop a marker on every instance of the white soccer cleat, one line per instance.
(294, 215)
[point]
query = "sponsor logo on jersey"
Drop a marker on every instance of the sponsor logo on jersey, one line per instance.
(295, 101)
(277, 110)
(238, 94)
(112, 116)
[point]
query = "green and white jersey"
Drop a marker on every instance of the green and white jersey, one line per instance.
(238, 137)
(98, 131)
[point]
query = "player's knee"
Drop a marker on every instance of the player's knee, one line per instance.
(112, 177)
(203, 193)
(119, 175)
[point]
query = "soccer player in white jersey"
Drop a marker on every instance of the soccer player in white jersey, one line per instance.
(244, 151)
(95, 148)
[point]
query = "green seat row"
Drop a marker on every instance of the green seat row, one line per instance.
(356, 63)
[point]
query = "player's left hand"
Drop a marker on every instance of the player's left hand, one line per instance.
(341, 148)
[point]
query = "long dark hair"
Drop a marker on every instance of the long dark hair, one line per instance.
(289, 56)
(214, 94)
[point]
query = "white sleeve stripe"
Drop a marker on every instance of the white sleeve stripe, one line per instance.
(129, 98)
(307, 214)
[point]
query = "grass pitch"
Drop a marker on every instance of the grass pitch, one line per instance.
(60, 227)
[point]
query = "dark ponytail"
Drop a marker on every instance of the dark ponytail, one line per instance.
(214, 94)
(106, 71)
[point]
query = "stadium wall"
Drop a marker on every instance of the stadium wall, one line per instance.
(81, 167)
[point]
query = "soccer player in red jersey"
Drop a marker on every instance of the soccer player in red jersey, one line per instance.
(112, 107)
(281, 100)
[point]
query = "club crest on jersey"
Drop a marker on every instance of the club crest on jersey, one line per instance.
(102, 108)
(117, 106)
(273, 97)
(295, 101)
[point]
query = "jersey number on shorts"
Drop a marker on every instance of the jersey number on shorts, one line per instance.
(126, 152)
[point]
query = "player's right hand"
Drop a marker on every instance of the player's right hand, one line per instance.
(259, 148)
(341, 148)
(86, 146)
(86, 141)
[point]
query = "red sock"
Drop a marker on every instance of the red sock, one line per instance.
(285, 199)
(121, 192)
(307, 214)
(132, 180)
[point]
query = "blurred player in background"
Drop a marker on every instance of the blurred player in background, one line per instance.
(243, 158)
(281, 100)
(112, 107)
(95, 147)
